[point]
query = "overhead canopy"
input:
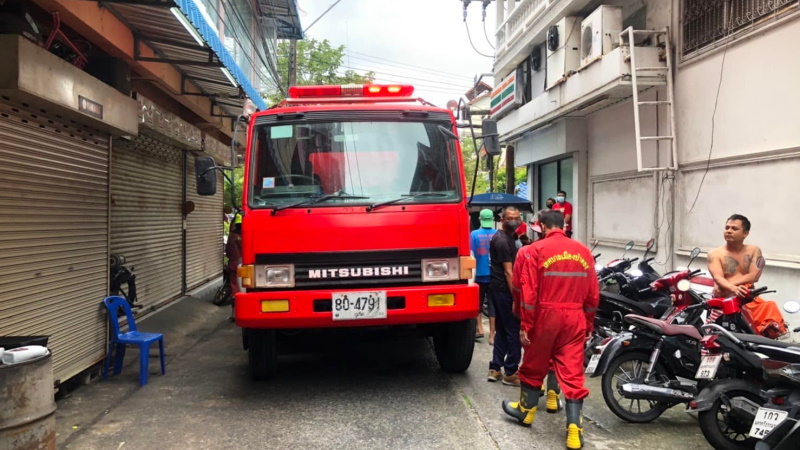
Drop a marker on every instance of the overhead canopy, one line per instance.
(174, 29)
(285, 14)
(495, 200)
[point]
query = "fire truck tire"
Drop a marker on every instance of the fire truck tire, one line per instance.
(454, 343)
(262, 352)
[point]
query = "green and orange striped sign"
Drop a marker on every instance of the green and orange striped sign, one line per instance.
(504, 96)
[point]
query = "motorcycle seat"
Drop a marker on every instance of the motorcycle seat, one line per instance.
(761, 340)
(633, 305)
(668, 329)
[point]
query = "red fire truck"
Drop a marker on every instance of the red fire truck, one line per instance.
(354, 206)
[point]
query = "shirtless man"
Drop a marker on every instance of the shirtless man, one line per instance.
(733, 265)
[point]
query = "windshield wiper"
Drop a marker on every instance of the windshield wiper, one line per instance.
(406, 197)
(314, 199)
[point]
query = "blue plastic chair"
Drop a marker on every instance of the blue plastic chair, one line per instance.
(132, 337)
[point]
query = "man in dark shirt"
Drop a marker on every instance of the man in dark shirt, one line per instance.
(507, 348)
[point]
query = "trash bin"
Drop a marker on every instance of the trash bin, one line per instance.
(27, 414)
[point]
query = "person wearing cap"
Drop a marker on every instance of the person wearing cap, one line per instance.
(479, 246)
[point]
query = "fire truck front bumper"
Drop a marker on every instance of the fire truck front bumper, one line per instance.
(316, 308)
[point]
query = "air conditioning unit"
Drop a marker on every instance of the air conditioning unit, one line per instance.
(563, 50)
(599, 32)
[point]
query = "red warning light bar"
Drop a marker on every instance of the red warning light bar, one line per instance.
(352, 90)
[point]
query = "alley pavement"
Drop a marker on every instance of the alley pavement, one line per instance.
(332, 392)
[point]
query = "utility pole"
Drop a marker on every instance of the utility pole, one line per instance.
(510, 181)
(292, 63)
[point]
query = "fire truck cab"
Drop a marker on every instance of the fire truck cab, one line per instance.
(354, 215)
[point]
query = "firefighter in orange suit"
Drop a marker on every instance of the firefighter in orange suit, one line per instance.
(554, 403)
(558, 300)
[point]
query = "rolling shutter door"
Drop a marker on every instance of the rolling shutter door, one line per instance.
(147, 217)
(53, 235)
(203, 231)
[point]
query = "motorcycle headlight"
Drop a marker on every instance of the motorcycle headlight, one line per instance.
(637, 272)
(440, 269)
(275, 276)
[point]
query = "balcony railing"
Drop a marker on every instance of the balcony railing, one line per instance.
(523, 15)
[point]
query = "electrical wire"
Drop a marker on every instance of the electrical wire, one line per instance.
(486, 35)
(713, 118)
(384, 62)
(406, 76)
(473, 45)
(449, 74)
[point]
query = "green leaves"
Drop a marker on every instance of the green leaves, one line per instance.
(318, 62)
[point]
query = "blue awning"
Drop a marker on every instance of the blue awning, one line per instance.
(499, 200)
(166, 27)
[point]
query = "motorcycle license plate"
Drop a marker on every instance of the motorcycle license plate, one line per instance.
(359, 305)
(766, 420)
(593, 363)
(708, 367)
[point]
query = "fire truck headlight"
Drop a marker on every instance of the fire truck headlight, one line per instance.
(440, 269)
(275, 276)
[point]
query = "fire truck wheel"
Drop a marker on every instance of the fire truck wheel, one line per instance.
(454, 343)
(263, 354)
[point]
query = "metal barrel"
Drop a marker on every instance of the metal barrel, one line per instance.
(27, 405)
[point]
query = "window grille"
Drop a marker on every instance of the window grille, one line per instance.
(707, 21)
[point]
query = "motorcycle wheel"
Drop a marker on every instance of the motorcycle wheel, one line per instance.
(626, 368)
(723, 431)
(223, 294)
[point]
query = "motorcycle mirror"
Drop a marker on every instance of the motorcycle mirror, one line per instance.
(791, 306)
(650, 245)
(761, 262)
(684, 285)
(693, 255)
(628, 246)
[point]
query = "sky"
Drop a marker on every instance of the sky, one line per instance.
(418, 42)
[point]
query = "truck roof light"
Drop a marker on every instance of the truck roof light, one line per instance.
(352, 90)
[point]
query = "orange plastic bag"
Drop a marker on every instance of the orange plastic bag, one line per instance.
(766, 317)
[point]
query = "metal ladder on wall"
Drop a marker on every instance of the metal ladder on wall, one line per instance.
(665, 71)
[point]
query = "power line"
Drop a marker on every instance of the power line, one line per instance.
(408, 76)
(488, 41)
(405, 64)
(473, 45)
(713, 118)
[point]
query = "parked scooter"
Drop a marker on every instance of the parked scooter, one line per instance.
(123, 280)
(735, 413)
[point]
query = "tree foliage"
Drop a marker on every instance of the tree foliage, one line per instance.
(482, 181)
(318, 62)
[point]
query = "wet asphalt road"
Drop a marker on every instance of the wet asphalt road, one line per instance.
(335, 393)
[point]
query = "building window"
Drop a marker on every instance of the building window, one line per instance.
(553, 177)
(707, 21)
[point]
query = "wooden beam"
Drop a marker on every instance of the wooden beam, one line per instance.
(111, 35)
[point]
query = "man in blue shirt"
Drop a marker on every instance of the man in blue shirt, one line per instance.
(479, 245)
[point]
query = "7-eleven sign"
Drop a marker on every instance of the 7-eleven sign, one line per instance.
(506, 96)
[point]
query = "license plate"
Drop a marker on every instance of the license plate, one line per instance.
(359, 305)
(708, 367)
(766, 420)
(593, 364)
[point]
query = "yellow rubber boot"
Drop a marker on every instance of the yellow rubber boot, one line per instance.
(554, 403)
(525, 409)
(574, 424)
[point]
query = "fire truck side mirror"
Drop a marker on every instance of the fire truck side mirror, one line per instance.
(206, 171)
(490, 137)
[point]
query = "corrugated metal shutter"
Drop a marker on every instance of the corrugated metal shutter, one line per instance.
(203, 231)
(147, 216)
(53, 234)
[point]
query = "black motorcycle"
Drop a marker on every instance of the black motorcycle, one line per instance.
(735, 413)
(123, 280)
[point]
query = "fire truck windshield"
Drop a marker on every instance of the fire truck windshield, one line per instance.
(352, 163)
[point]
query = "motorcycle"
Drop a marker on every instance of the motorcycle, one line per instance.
(122, 280)
(735, 413)
(672, 356)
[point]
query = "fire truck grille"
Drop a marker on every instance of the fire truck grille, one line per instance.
(379, 269)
